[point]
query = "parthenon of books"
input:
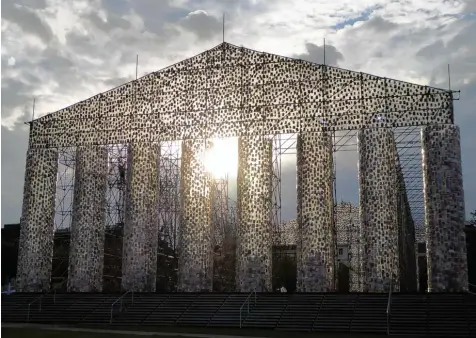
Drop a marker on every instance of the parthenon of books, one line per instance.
(231, 91)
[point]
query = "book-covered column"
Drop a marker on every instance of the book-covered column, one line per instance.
(37, 221)
(140, 240)
(195, 258)
(378, 191)
(86, 258)
(444, 209)
(316, 237)
(254, 233)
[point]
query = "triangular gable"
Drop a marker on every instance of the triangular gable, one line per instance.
(210, 92)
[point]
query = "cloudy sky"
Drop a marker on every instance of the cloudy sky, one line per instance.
(61, 52)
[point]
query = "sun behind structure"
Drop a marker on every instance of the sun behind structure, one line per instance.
(222, 158)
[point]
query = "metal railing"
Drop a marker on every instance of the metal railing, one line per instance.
(247, 302)
(39, 299)
(389, 306)
(469, 288)
(120, 300)
(56, 289)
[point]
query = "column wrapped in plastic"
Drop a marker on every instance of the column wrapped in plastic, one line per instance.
(444, 209)
(140, 240)
(37, 221)
(86, 259)
(378, 193)
(254, 234)
(316, 233)
(195, 270)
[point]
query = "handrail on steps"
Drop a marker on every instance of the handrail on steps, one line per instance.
(389, 306)
(247, 301)
(131, 291)
(469, 288)
(38, 299)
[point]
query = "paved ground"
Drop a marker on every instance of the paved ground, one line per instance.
(46, 331)
(38, 331)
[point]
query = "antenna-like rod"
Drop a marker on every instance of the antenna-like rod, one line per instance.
(33, 110)
(223, 27)
(449, 77)
(324, 47)
(137, 64)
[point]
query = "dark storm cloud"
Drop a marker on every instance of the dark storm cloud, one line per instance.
(315, 54)
(123, 38)
(27, 19)
(18, 91)
(379, 24)
(202, 24)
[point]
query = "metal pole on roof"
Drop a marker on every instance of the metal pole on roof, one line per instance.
(324, 47)
(33, 110)
(449, 77)
(137, 64)
(223, 27)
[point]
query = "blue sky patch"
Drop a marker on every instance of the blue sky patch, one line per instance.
(364, 16)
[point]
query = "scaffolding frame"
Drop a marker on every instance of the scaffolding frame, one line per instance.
(224, 214)
(330, 106)
(410, 187)
(169, 193)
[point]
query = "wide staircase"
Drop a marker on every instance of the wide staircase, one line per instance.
(423, 314)
(446, 315)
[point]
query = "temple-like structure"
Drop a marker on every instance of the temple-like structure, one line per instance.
(231, 91)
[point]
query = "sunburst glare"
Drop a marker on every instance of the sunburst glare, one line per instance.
(222, 158)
